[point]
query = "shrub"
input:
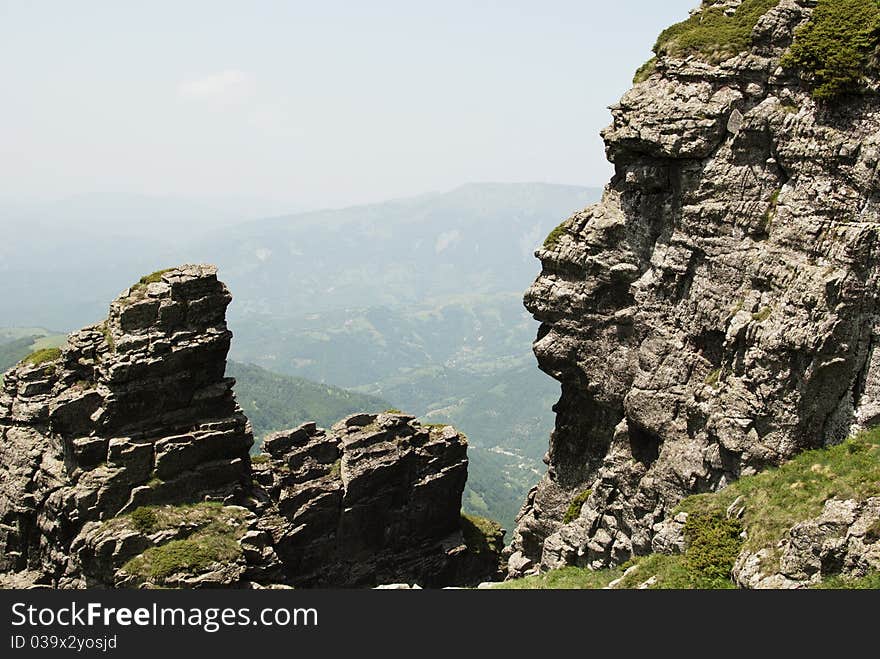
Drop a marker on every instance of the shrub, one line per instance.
(260, 459)
(43, 356)
(713, 35)
(575, 507)
(713, 543)
(144, 519)
(835, 47)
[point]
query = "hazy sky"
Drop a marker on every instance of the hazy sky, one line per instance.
(319, 103)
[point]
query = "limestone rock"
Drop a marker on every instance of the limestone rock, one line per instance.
(134, 411)
(717, 312)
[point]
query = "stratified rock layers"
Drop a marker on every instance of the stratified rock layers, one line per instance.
(124, 462)
(717, 312)
(135, 411)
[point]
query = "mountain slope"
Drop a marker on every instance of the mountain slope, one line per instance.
(277, 402)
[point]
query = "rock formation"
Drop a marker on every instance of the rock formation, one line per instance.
(134, 411)
(124, 461)
(717, 312)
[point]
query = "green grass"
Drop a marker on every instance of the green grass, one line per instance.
(567, 578)
(43, 356)
(481, 535)
(645, 70)
(777, 499)
(554, 236)
(154, 277)
(575, 507)
(336, 469)
(260, 459)
(711, 35)
(836, 47)
(868, 582)
(214, 540)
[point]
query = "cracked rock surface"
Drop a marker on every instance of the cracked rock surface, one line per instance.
(717, 312)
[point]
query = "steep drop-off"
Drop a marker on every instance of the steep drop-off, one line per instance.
(717, 313)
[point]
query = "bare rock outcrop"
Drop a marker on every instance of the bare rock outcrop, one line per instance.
(134, 411)
(717, 312)
(124, 462)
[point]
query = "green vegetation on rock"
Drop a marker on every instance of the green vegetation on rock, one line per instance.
(481, 535)
(777, 499)
(713, 543)
(567, 578)
(645, 70)
(868, 582)
(575, 507)
(43, 356)
(144, 519)
(215, 532)
(772, 502)
(712, 34)
(154, 277)
(836, 46)
(554, 236)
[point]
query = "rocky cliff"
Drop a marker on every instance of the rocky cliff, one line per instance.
(124, 461)
(717, 312)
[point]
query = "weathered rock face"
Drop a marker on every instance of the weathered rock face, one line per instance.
(374, 500)
(133, 411)
(717, 312)
(124, 462)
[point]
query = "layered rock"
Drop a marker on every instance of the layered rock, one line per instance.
(374, 500)
(134, 411)
(124, 462)
(717, 312)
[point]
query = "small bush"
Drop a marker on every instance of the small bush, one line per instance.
(260, 459)
(835, 48)
(575, 507)
(713, 543)
(144, 519)
(43, 356)
(192, 555)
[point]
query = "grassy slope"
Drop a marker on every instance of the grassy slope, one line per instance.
(774, 501)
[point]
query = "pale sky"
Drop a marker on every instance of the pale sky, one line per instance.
(318, 103)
